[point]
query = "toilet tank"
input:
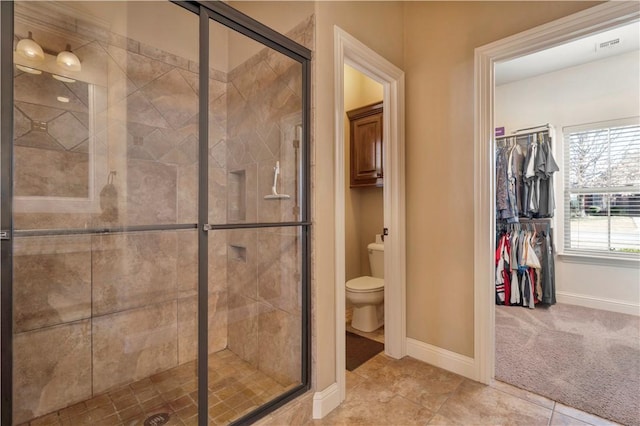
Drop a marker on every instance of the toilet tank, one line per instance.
(376, 259)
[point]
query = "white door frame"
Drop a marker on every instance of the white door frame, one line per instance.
(348, 50)
(593, 20)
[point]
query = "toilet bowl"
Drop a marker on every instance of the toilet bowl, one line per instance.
(366, 293)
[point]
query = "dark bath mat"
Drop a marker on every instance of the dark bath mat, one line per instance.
(360, 349)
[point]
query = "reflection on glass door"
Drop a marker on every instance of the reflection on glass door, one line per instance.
(105, 182)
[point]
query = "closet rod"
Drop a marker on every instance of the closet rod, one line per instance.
(522, 134)
(542, 126)
(534, 220)
(527, 220)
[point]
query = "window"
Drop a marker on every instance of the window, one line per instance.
(602, 188)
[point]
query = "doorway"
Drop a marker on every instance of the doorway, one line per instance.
(593, 21)
(350, 51)
(364, 215)
(570, 97)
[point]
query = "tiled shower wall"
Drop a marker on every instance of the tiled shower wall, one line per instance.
(97, 311)
(264, 107)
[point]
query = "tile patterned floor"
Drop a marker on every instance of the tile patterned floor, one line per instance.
(235, 388)
(385, 391)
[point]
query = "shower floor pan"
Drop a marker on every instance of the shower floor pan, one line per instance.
(235, 388)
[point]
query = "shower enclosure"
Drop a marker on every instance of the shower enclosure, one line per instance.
(155, 213)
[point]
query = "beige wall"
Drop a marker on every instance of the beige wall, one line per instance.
(439, 153)
(364, 215)
(439, 42)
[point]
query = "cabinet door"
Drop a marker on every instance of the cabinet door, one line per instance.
(366, 146)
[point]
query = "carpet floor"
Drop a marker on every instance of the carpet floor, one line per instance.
(585, 358)
(359, 350)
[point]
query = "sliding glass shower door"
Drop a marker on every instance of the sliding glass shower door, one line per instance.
(155, 214)
(104, 202)
(258, 231)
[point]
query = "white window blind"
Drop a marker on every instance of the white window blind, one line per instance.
(602, 189)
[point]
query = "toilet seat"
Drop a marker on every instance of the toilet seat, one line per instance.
(365, 284)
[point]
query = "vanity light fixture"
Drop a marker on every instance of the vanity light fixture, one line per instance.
(29, 49)
(68, 60)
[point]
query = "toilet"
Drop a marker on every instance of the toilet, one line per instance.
(366, 294)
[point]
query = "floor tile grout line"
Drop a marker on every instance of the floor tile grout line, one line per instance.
(553, 410)
(450, 395)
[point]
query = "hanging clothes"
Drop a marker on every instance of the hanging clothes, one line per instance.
(506, 203)
(548, 269)
(546, 166)
(524, 264)
(524, 176)
(503, 271)
(530, 179)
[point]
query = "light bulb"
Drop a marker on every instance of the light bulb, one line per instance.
(29, 49)
(68, 61)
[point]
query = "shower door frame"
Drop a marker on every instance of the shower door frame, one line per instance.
(233, 19)
(6, 212)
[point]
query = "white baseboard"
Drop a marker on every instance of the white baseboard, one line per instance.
(442, 358)
(325, 401)
(598, 303)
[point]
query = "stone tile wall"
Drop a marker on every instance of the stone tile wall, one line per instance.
(264, 279)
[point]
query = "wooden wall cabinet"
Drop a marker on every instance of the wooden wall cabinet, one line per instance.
(366, 146)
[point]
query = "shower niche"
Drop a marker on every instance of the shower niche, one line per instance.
(188, 300)
(237, 191)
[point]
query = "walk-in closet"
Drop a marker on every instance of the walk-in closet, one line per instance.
(567, 223)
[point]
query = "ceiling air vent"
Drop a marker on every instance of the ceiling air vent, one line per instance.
(609, 44)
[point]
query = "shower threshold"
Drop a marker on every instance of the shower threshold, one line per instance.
(235, 388)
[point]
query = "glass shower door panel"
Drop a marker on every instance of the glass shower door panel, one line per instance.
(255, 163)
(106, 249)
(255, 132)
(255, 290)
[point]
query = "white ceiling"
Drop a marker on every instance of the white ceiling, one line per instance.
(570, 54)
